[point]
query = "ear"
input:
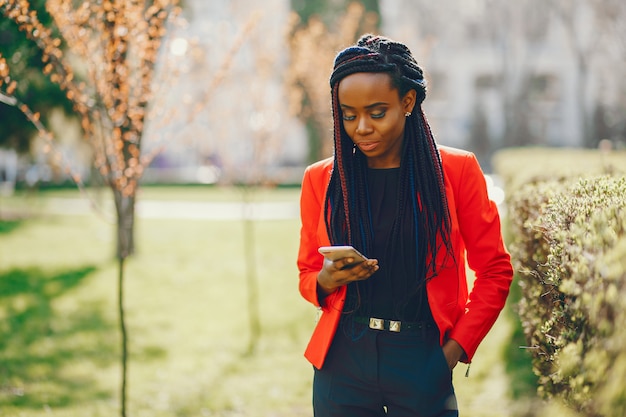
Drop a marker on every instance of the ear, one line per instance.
(408, 101)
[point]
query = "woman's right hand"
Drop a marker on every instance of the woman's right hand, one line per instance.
(334, 274)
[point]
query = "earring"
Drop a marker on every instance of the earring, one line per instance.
(354, 149)
(407, 114)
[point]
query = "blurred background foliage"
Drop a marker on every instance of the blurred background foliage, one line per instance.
(550, 78)
(328, 10)
(34, 87)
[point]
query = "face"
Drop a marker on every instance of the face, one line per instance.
(373, 116)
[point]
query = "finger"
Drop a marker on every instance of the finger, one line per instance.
(349, 263)
(367, 273)
(339, 273)
(362, 271)
(346, 263)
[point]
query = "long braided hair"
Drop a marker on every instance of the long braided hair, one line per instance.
(422, 197)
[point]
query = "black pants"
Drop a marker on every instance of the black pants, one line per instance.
(385, 374)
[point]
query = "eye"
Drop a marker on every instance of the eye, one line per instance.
(378, 114)
(348, 118)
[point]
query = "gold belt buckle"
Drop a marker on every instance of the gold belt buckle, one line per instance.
(377, 324)
(394, 326)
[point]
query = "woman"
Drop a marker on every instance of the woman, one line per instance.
(393, 327)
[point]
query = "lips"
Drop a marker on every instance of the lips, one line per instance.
(367, 146)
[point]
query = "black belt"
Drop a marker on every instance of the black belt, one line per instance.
(394, 325)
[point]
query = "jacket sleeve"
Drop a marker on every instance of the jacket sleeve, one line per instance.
(309, 260)
(480, 229)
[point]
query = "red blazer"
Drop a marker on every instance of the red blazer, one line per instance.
(476, 233)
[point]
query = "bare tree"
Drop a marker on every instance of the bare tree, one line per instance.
(114, 47)
(247, 135)
(313, 47)
(544, 75)
(116, 44)
(594, 37)
(582, 37)
(509, 31)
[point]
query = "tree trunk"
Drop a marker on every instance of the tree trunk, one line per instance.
(251, 272)
(120, 303)
(588, 139)
(125, 207)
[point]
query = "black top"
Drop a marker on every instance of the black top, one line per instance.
(384, 294)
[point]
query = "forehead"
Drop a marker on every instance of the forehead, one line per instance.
(366, 87)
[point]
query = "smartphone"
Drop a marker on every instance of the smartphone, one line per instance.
(337, 252)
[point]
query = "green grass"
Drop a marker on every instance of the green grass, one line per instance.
(187, 319)
(518, 358)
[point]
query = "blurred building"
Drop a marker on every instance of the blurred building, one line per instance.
(505, 74)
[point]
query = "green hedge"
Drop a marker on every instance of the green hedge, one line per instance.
(569, 249)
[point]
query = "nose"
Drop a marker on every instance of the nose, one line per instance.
(363, 126)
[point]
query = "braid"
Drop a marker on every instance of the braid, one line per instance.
(340, 194)
(422, 197)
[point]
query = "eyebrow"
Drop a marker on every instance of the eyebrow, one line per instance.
(369, 106)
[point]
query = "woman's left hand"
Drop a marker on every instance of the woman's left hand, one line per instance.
(453, 352)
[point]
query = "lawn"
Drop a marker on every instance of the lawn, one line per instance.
(186, 304)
